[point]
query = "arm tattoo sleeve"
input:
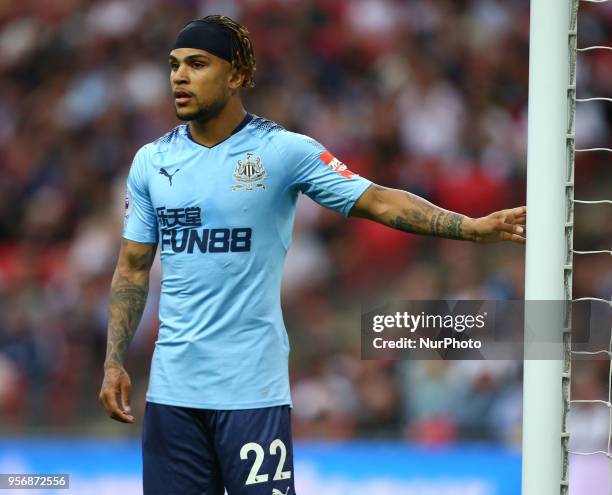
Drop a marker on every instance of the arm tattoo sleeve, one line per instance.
(419, 216)
(128, 295)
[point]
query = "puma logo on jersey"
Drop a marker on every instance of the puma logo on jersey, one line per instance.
(278, 492)
(165, 173)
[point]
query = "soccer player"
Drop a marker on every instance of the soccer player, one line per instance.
(217, 195)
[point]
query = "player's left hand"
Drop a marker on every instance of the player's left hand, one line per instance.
(504, 225)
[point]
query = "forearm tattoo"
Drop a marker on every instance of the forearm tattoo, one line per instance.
(128, 295)
(422, 217)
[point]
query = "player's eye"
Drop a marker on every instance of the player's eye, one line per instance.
(173, 67)
(198, 65)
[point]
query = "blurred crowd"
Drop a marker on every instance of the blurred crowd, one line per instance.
(429, 96)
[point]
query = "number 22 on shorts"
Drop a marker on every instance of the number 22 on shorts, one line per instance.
(275, 446)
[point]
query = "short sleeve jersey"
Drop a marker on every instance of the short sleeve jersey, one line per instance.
(223, 217)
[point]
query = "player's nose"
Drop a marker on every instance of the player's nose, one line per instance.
(180, 75)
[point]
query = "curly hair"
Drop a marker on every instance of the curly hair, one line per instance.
(243, 56)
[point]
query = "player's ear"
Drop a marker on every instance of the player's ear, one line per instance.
(236, 80)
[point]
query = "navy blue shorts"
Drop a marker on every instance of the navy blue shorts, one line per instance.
(188, 451)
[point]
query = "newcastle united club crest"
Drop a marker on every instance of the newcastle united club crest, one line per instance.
(249, 173)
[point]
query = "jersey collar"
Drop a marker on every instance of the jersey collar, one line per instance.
(247, 118)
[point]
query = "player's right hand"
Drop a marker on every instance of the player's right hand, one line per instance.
(504, 225)
(115, 393)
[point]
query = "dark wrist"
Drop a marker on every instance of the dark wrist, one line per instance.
(112, 364)
(470, 232)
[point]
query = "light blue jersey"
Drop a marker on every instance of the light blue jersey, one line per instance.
(223, 218)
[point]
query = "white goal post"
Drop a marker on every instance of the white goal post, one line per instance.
(547, 165)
